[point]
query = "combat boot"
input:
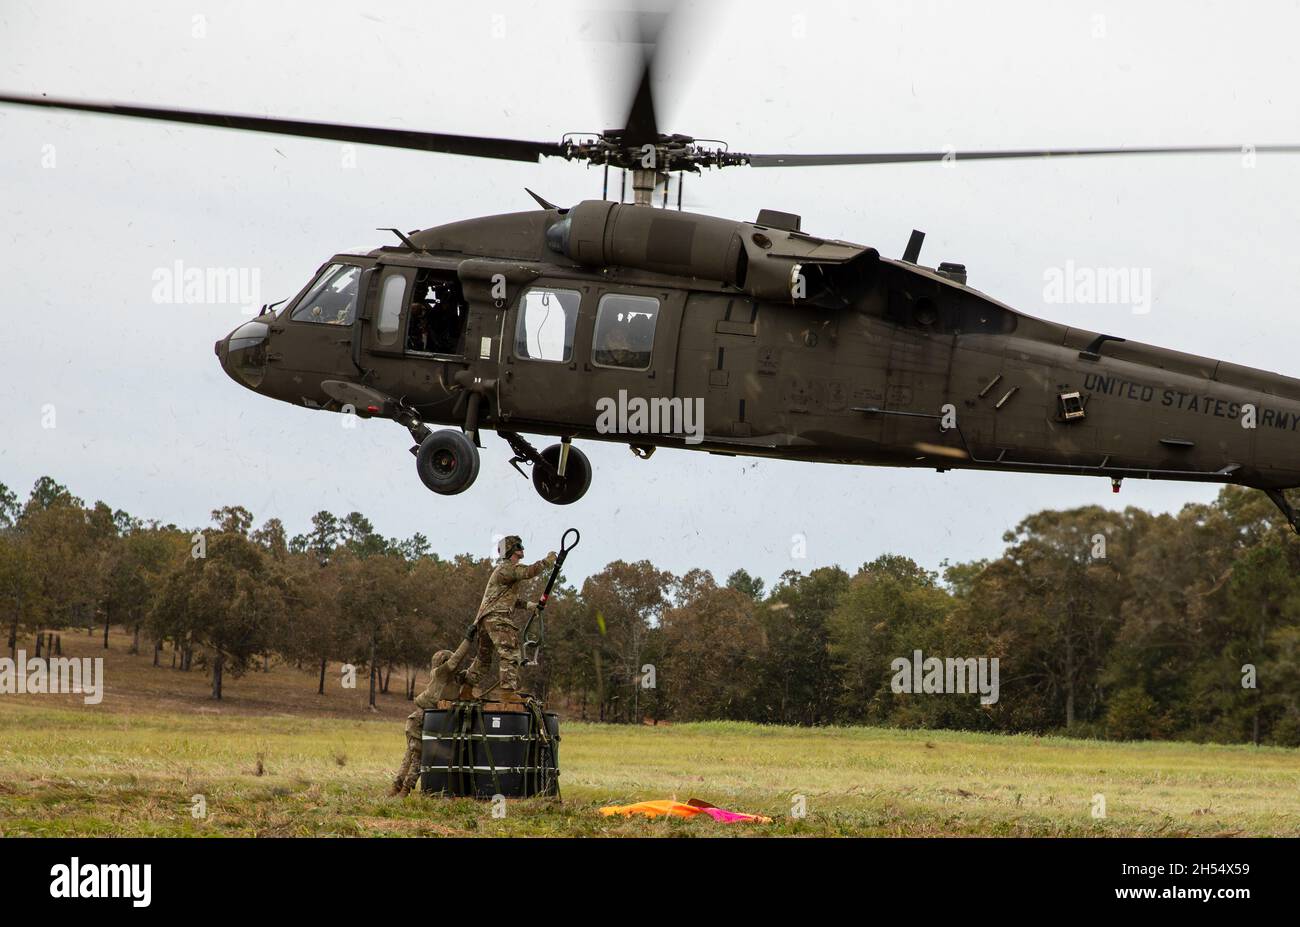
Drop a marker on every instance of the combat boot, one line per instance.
(395, 788)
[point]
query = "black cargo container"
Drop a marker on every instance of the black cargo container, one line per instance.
(471, 751)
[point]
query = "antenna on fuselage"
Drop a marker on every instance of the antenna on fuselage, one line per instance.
(912, 253)
(402, 235)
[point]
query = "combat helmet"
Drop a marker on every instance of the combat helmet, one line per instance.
(439, 658)
(508, 545)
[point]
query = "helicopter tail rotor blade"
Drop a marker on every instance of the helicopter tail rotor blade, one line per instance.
(906, 157)
(472, 145)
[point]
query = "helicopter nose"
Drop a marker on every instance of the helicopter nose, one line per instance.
(242, 353)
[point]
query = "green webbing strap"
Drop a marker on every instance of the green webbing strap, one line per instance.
(487, 748)
(530, 756)
(542, 748)
(461, 745)
(459, 732)
(537, 756)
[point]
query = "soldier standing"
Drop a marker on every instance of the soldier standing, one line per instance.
(495, 616)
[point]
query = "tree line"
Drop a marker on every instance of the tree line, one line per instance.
(1124, 625)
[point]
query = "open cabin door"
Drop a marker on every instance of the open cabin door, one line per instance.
(416, 311)
(387, 309)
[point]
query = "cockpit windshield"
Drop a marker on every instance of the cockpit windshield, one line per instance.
(332, 299)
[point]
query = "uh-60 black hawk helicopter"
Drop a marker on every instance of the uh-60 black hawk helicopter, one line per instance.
(794, 346)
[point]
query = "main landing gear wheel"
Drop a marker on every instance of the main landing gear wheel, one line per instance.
(447, 462)
(562, 490)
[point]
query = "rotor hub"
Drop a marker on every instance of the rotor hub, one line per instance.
(663, 154)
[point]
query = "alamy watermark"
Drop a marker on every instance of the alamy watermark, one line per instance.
(57, 675)
(76, 879)
(954, 675)
(1098, 286)
(660, 415)
(207, 286)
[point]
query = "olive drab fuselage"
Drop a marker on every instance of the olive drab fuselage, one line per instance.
(792, 346)
(624, 322)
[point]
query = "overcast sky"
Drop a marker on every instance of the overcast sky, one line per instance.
(146, 420)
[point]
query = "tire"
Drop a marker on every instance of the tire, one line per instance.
(447, 462)
(570, 488)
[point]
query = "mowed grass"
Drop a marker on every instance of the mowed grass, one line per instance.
(134, 765)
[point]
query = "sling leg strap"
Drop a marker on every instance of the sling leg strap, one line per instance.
(477, 711)
(463, 749)
(542, 750)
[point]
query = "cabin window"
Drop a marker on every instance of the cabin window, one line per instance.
(332, 299)
(438, 315)
(625, 331)
(391, 300)
(548, 318)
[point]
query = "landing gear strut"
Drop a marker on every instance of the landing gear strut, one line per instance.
(561, 473)
(1280, 500)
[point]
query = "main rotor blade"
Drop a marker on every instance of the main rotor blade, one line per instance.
(642, 125)
(472, 145)
(906, 157)
(647, 26)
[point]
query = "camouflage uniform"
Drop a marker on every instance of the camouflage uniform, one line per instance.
(495, 617)
(409, 772)
(445, 664)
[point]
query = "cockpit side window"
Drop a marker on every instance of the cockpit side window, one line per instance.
(332, 299)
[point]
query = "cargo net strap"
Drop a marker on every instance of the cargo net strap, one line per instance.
(542, 765)
(461, 762)
(465, 724)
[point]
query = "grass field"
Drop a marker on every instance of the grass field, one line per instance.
(277, 759)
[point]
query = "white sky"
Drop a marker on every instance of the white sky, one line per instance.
(147, 421)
